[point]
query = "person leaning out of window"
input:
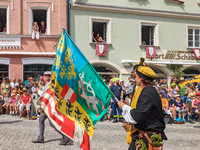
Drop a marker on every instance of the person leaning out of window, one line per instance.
(35, 31)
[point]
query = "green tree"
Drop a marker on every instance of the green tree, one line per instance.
(176, 69)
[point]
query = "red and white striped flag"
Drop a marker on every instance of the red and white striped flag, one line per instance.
(67, 126)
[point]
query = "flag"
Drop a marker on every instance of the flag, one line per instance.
(77, 96)
(150, 52)
(196, 53)
(101, 49)
(191, 80)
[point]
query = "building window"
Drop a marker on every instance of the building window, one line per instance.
(40, 14)
(149, 33)
(193, 37)
(3, 16)
(100, 30)
(36, 71)
(3, 71)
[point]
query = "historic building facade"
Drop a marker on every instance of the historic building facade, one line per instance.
(164, 32)
(20, 55)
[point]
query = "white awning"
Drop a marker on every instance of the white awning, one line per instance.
(161, 62)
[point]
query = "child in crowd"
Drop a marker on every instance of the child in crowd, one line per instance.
(18, 102)
(108, 113)
(12, 102)
(16, 91)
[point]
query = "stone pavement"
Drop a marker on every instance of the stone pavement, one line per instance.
(16, 134)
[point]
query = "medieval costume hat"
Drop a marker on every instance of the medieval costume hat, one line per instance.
(146, 73)
(140, 63)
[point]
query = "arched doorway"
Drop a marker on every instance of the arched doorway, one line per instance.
(191, 71)
(159, 73)
(105, 71)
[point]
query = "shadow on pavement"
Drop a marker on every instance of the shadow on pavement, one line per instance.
(196, 126)
(10, 122)
(51, 140)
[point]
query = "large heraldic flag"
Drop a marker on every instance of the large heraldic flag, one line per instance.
(77, 96)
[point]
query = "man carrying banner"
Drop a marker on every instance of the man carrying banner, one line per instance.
(43, 116)
(147, 117)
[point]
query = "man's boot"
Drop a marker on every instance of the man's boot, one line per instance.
(114, 119)
(38, 141)
(66, 142)
(121, 119)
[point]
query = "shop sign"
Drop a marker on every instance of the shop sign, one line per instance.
(10, 42)
(173, 55)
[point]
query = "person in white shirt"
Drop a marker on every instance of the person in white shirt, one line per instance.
(13, 84)
(128, 83)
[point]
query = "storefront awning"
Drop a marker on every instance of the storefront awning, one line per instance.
(161, 62)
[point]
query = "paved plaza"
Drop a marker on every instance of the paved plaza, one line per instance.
(16, 134)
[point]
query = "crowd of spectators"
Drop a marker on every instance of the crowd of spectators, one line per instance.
(179, 103)
(15, 95)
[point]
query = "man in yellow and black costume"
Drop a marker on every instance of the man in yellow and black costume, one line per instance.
(145, 113)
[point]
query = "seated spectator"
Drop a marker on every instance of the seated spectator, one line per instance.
(1, 104)
(33, 89)
(16, 91)
(182, 89)
(93, 38)
(99, 39)
(28, 86)
(35, 31)
(6, 105)
(4, 29)
(144, 43)
(12, 102)
(165, 106)
(180, 108)
(172, 92)
(43, 28)
(196, 101)
(13, 84)
(25, 102)
(190, 92)
(40, 81)
(163, 89)
(18, 102)
(26, 81)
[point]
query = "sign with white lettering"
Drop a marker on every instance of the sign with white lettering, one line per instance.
(10, 42)
(173, 55)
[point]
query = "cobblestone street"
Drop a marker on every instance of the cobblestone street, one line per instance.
(16, 134)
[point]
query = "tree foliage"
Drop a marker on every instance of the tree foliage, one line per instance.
(176, 69)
